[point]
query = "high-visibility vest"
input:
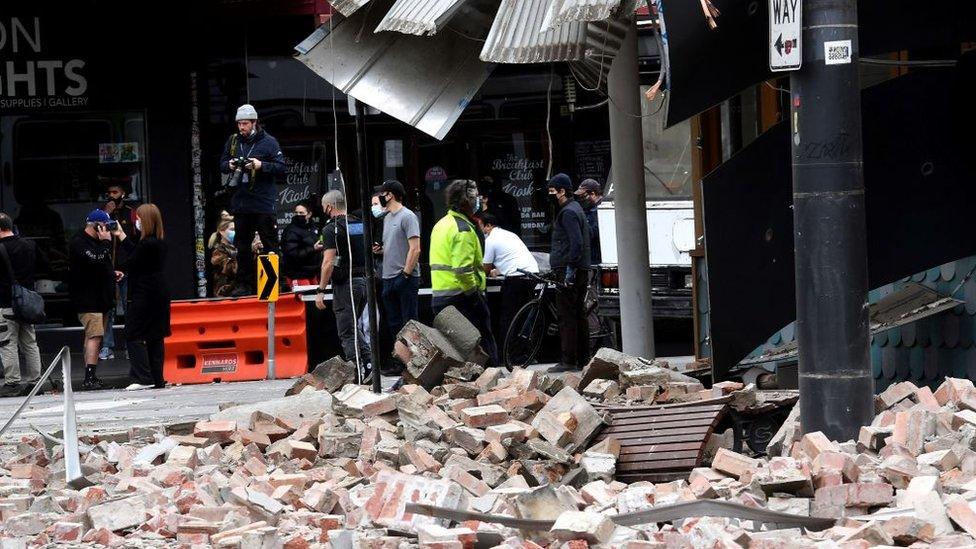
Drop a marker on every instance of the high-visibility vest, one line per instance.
(456, 257)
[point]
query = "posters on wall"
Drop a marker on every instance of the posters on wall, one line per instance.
(593, 160)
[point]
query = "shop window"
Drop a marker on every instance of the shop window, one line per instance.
(56, 168)
(667, 153)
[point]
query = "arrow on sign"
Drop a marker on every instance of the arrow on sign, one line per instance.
(779, 44)
(271, 282)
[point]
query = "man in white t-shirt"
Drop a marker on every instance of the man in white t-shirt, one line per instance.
(506, 255)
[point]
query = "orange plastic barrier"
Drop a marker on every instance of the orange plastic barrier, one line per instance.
(227, 340)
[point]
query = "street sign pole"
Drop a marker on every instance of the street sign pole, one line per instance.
(835, 380)
(268, 291)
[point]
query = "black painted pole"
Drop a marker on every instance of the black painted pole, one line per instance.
(365, 197)
(836, 386)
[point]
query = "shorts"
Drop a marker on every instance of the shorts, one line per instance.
(94, 324)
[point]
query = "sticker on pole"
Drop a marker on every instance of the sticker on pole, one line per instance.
(784, 35)
(268, 277)
(837, 52)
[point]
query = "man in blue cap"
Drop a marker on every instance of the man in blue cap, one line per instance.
(569, 258)
(91, 283)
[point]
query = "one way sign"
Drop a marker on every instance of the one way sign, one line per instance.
(268, 277)
(784, 35)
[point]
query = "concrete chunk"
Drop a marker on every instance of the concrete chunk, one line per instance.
(359, 402)
(120, 514)
(588, 420)
(591, 527)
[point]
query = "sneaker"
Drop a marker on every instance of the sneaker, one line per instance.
(138, 387)
(92, 384)
(106, 354)
(9, 389)
(563, 367)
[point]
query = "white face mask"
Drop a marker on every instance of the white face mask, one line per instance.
(138, 224)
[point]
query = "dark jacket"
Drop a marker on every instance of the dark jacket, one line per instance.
(300, 258)
(338, 234)
(24, 260)
(91, 277)
(594, 223)
(258, 194)
(570, 239)
(147, 303)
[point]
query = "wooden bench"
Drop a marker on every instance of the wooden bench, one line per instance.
(662, 443)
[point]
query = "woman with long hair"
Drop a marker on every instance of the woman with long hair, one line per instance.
(147, 311)
(223, 256)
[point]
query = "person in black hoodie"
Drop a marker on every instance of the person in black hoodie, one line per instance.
(300, 246)
(569, 258)
(91, 284)
(18, 337)
(253, 203)
(147, 307)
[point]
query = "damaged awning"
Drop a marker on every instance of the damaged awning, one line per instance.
(383, 69)
(419, 17)
(394, 56)
(910, 304)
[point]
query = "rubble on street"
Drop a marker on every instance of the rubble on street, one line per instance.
(359, 469)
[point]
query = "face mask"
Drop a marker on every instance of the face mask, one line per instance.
(377, 210)
(230, 236)
(383, 200)
(554, 198)
(118, 201)
(299, 220)
(138, 224)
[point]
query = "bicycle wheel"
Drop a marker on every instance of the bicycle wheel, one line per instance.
(524, 336)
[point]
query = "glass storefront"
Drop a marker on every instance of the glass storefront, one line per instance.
(56, 169)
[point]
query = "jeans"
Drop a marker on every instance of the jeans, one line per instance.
(246, 224)
(146, 362)
(108, 342)
(400, 300)
(473, 307)
(16, 338)
(574, 328)
(343, 307)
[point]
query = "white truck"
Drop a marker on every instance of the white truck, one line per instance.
(671, 239)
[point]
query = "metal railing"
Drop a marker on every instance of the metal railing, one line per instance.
(72, 461)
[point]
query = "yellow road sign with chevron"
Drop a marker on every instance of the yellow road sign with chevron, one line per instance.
(268, 277)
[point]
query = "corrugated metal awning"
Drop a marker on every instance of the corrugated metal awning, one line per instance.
(516, 36)
(419, 16)
(566, 11)
(348, 7)
(423, 81)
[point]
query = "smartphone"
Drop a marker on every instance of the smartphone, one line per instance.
(112, 226)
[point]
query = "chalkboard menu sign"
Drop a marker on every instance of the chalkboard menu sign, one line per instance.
(593, 160)
(303, 179)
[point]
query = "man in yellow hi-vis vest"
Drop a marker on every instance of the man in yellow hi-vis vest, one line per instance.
(456, 272)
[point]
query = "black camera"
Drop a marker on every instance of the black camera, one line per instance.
(112, 226)
(240, 163)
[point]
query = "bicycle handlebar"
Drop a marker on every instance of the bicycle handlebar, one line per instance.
(542, 279)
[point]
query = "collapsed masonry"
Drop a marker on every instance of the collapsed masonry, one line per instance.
(337, 465)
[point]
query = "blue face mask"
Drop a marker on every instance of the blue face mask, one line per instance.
(230, 236)
(377, 211)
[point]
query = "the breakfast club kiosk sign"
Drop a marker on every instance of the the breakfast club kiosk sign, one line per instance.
(32, 76)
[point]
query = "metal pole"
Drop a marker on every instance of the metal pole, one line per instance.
(627, 155)
(365, 196)
(836, 385)
(271, 340)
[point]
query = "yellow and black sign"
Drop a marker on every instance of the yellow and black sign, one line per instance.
(268, 277)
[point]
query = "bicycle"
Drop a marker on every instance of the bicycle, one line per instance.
(538, 319)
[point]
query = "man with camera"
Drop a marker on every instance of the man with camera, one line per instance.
(91, 283)
(253, 159)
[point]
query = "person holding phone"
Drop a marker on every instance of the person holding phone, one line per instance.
(148, 324)
(91, 285)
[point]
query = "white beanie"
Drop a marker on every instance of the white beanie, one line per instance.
(246, 112)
